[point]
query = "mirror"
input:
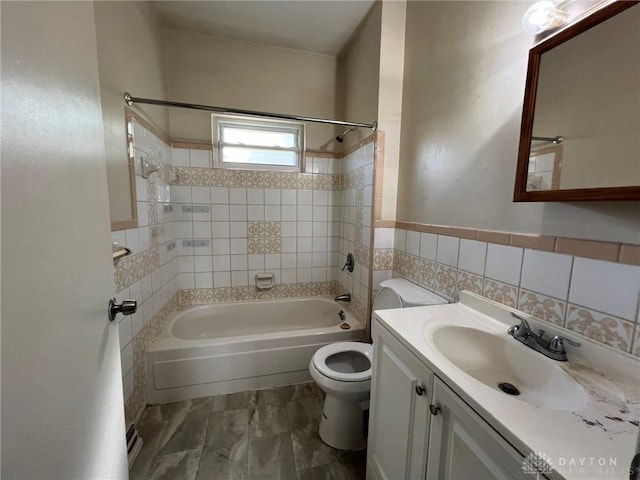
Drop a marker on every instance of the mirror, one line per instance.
(580, 133)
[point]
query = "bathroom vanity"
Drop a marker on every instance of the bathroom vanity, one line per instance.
(437, 412)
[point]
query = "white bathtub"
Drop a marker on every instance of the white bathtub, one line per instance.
(225, 348)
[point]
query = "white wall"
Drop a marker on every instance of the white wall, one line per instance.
(359, 65)
(213, 70)
(463, 91)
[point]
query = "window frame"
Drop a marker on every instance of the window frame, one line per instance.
(218, 122)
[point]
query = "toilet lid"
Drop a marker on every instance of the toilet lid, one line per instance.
(321, 356)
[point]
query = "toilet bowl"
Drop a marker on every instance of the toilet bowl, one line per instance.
(343, 372)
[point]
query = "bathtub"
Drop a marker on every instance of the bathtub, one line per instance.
(231, 347)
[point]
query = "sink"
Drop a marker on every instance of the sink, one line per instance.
(495, 359)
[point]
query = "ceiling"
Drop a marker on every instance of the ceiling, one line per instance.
(321, 26)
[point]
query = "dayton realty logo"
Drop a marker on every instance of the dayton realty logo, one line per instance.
(537, 464)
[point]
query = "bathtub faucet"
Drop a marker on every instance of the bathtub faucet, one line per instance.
(345, 297)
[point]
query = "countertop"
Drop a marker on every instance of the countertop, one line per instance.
(597, 440)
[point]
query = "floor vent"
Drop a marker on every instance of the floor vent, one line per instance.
(134, 443)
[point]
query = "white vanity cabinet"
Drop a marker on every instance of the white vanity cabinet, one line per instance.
(463, 446)
(419, 428)
(399, 412)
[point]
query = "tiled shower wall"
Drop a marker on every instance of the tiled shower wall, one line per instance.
(234, 224)
(150, 274)
(594, 298)
(357, 216)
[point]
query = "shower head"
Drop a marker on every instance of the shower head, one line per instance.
(340, 138)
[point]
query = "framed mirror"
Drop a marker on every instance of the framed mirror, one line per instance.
(580, 132)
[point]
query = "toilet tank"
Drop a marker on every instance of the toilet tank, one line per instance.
(400, 293)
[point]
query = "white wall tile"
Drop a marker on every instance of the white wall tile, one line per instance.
(305, 197)
(255, 196)
(272, 196)
(181, 194)
(204, 280)
(200, 158)
(428, 246)
(220, 230)
(221, 279)
(186, 281)
(473, 255)
(256, 262)
(547, 273)
(180, 157)
(272, 213)
(504, 263)
(203, 263)
(201, 195)
(239, 246)
(288, 229)
(320, 197)
(255, 213)
(221, 263)
(383, 238)
(238, 213)
(238, 229)
(447, 252)
(605, 286)
(288, 275)
(239, 262)
(272, 261)
(221, 246)
(219, 195)
(238, 196)
(400, 240)
(413, 243)
(220, 213)
(289, 213)
(239, 279)
(289, 197)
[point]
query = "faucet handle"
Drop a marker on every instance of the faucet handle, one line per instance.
(523, 322)
(556, 344)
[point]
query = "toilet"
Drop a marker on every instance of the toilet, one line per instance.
(342, 370)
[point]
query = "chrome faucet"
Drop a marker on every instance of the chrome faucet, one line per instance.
(345, 297)
(553, 348)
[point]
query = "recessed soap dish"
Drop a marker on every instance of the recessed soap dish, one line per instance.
(265, 280)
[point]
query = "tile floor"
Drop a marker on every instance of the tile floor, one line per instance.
(261, 434)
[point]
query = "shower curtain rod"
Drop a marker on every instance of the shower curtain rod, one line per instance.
(555, 140)
(129, 100)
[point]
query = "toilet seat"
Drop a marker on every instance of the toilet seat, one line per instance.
(321, 356)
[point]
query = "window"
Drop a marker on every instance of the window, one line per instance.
(247, 143)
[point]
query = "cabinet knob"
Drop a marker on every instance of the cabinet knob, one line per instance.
(434, 409)
(419, 390)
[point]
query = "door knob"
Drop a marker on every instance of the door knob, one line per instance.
(434, 409)
(419, 390)
(127, 307)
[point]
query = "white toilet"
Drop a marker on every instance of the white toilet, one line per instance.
(343, 371)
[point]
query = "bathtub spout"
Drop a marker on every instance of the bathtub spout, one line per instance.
(345, 297)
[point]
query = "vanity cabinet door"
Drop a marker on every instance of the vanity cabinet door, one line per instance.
(463, 445)
(399, 412)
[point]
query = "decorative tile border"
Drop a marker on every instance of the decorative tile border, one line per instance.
(603, 328)
(147, 335)
(607, 251)
(543, 307)
(501, 292)
(610, 330)
(240, 294)
(215, 177)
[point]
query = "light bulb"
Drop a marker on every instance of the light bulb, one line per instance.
(543, 16)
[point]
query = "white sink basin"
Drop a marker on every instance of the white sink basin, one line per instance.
(494, 359)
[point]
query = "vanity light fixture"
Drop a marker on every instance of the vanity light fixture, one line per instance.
(543, 16)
